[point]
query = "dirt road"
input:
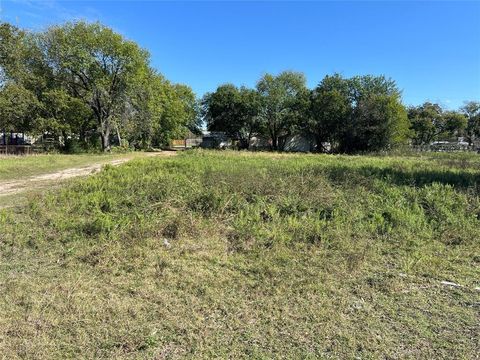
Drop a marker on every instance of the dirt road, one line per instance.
(12, 187)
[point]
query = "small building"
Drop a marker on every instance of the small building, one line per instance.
(189, 141)
(299, 143)
(14, 143)
(220, 140)
(215, 140)
(291, 143)
(14, 138)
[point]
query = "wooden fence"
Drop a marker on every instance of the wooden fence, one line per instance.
(17, 149)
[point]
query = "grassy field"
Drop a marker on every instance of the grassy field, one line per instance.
(17, 167)
(240, 255)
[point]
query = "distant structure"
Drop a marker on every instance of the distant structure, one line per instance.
(220, 140)
(15, 143)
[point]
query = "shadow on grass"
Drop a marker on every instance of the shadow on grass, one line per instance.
(420, 177)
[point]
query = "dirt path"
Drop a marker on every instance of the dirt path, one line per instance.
(12, 187)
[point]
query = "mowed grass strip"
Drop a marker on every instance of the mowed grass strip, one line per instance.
(21, 167)
(221, 254)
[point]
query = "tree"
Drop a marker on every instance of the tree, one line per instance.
(87, 82)
(159, 111)
(471, 109)
(191, 119)
(177, 113)
(97, 66)
(362, 87)
(330, 108)
(454, 123)
(221, 108)
(425, 122)
(64, 115)
(363, 113)
(250, 125)
(379, 122)
(430, 122)
(281, 104)
(233, 111)
(12, 52)
(18, 108)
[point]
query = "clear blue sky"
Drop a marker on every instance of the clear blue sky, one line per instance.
(432, 49)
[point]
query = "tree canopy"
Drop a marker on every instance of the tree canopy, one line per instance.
(281, 104)
(431, 122)
(82, 81)
(234, 111)
(471, 110)
(363, 113)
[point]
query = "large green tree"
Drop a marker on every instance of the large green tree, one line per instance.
(84, 81)
(64, 115)
(220, 109)
(97, 66)
(429, 122)
(425, 122)
(363, 113)
(379, 120)
(159, 112)
(19, 108)
(330, 109)
(281, 105)
(13, 51)
(234, 111)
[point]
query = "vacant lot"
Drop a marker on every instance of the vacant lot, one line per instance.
(248, 255)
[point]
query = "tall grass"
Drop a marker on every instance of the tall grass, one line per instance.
(248, 255)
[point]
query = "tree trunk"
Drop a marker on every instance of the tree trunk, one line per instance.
(249, 139)
(105, 137)
(120, 139)
(282, 142)
(274, 137)
(318, 142)
(274, 143)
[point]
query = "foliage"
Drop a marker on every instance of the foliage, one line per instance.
(281, 104)
(329, 110)
(430, 122)
(471, 109)
(234, 111)
(363, 113)
(378, 122)
(378, 119)
(90, 82)
(18, 108)
(97, 66)
(161, 111)
(19, 57)
(64, 115)
(81, 83)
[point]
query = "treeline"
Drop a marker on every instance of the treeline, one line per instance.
(89, 86)
(363, 113)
